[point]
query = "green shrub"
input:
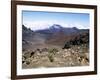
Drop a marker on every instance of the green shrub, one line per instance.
(53, 50)
(51, 58)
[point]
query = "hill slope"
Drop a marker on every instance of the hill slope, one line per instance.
(55, 46)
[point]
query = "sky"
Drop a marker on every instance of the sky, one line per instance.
(40, 20)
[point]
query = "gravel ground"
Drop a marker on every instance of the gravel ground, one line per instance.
(77, 55)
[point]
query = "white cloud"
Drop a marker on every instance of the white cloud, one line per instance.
(37, 25)
(79, 26)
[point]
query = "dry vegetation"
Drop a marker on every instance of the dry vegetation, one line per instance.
(77, 55)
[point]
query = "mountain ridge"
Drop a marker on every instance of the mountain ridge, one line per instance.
(55, 35)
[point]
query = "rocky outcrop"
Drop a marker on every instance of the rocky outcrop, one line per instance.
(82, 38)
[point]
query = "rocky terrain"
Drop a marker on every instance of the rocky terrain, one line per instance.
(55, 47)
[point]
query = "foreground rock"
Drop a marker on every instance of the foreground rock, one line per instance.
(77, 55)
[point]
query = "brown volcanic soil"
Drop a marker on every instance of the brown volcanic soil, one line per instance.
(77, 55)
(55, 50)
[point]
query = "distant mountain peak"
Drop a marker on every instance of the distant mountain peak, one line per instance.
(56, 26)
(23, 27)
(27, 29)
(75, 28)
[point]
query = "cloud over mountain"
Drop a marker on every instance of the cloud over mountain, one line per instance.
(39, 25)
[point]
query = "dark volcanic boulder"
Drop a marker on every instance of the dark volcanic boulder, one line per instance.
(82, 38)
(67, 45)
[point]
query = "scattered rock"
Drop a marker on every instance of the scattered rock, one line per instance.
(75, 56)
